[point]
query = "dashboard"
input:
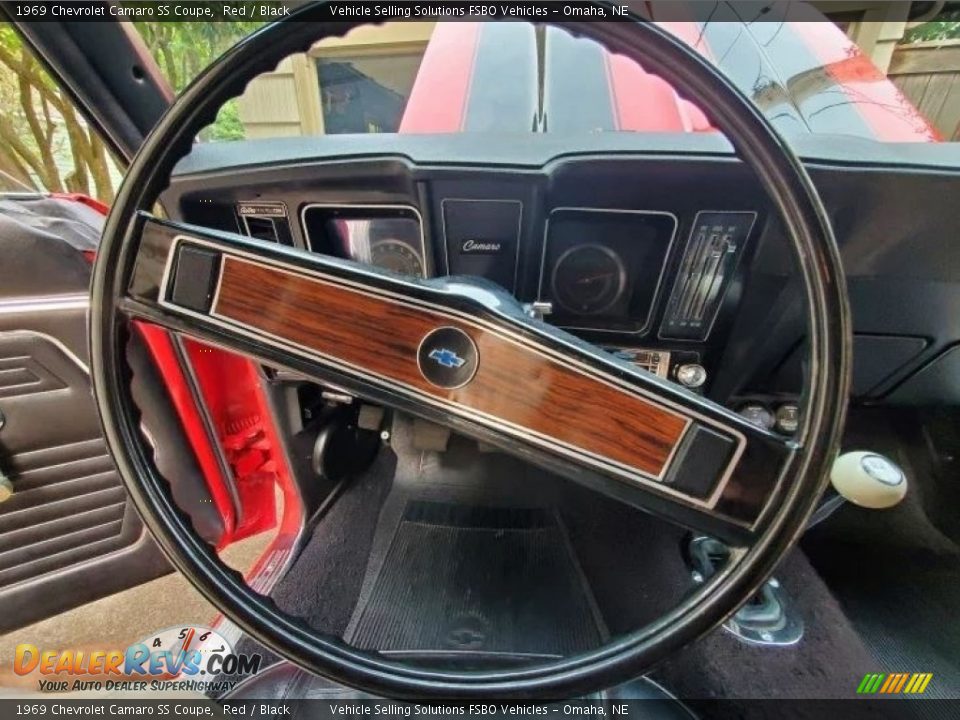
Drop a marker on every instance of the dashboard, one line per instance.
(643, 271)
(672, 260)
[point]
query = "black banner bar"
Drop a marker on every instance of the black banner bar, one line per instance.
(53, 708)
(374, 11)
(270, 10)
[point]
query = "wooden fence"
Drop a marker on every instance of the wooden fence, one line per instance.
(929, 75)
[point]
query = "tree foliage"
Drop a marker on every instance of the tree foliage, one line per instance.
(182, 50)
(46, 145)
(945, 27)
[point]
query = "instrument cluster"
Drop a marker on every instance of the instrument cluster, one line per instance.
(388, 236)
(601, 270)
(596, 270)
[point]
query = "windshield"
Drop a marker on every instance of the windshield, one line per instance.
(847, 75)
(805, 72)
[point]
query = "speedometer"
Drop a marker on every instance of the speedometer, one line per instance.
(397, 256)
(588, 279)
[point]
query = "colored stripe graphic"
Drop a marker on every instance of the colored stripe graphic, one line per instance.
(890, 682)
(900, 683)
(920, 683)
(894, 683)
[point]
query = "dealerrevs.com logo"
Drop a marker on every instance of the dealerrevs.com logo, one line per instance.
(178, 658)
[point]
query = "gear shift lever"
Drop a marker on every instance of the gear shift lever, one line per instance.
(868, 479)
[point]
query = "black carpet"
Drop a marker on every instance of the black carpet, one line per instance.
(323, 584)
(896, 572)
(632, 560)
(828, 662)
(637, 572)
(899, 582)
(404, 535)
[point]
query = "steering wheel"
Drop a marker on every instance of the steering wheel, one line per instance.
(466, 355)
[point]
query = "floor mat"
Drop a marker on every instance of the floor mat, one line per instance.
(441, 537)
(477, 579)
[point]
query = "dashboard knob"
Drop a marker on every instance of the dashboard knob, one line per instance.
(691, 375)
(868, 479)
(758, 414)
(788, 418)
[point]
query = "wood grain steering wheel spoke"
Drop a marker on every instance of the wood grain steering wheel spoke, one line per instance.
(463, 353)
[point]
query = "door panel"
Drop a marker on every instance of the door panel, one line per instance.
(67, 533)
(68, 504)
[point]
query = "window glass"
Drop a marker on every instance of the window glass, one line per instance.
(846, 74)
(45, 144)
(366, 94)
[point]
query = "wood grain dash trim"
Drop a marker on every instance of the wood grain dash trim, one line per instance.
(516, 385)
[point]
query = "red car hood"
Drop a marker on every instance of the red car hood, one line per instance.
(808, 77)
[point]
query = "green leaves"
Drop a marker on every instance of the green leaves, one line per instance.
(183, 49)
(945, 27)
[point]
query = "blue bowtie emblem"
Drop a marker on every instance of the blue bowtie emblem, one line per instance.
(447, 358)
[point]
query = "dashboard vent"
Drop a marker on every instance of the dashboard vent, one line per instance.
(716, 244)
(262, 228)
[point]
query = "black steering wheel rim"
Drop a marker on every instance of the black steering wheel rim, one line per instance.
(803, 216)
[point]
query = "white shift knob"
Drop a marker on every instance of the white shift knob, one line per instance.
(868, 479)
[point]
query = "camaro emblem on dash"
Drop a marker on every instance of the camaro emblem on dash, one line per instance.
(480, 247)
(447, 358)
